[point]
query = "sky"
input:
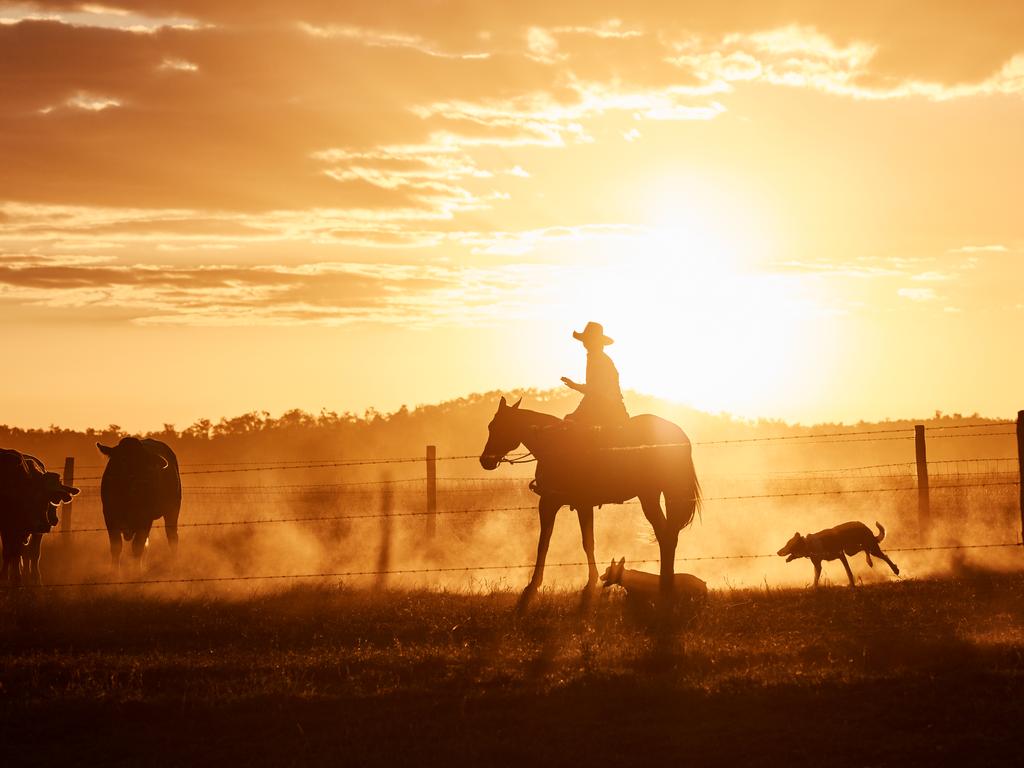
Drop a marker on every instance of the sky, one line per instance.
(798, 210)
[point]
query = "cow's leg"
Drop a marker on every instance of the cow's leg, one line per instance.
(846, 565)
(139, 542)
(817, 571)
(171, 529)
(115, 549)
(31, 558)
(586, 516)
(548, 509)
(6, 573)
(14, 559)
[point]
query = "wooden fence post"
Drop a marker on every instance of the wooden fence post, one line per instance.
(1020, 467)
(66, 509)
(923, 506)
(431, 490)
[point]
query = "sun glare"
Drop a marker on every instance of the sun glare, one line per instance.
(695, 320)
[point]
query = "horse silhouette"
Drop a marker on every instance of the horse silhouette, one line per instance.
(584, 467)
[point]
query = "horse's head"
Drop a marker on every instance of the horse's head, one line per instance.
(503, 435)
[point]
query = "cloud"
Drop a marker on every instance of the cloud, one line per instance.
(980, 249)
(91, 102)
(802, 57)
(917, 294)
(242, 131)
(94, 15)
(184, 127)
(542, 46)
(861, 268)
(319, 293)
(431, 174)
(178, 65)
(59, 229)
(379, 39)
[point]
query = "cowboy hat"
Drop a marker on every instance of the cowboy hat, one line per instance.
(591, 332)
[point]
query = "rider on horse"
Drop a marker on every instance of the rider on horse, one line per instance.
(602, 399)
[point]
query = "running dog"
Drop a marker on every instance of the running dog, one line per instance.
(646, 586)
(835, 544)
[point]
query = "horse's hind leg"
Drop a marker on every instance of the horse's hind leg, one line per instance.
(667, 536)
(548, 509)
(586, 516)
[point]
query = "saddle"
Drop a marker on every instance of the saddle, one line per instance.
(595, 465)
(577, 477)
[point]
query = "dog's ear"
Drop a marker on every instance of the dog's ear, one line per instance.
(622, 563)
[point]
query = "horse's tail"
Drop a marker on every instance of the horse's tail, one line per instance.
(689, 494)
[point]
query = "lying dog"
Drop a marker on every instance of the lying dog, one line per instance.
(646, 586)
(837, 543)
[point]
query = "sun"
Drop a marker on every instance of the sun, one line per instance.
(699, 319)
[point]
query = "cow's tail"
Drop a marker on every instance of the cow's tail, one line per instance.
(881, 531)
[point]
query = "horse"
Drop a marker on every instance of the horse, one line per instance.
(584, 467)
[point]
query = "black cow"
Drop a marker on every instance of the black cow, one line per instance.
(29, 496)
(140, 484)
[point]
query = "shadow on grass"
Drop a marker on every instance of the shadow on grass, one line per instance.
(957, 716)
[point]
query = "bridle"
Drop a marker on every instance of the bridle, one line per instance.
(523, 458)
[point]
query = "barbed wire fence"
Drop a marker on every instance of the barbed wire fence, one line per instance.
(985, 472)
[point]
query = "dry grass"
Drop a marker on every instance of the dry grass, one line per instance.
(915, 671)
(912, 672)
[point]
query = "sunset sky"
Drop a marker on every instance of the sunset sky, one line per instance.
(802, 210)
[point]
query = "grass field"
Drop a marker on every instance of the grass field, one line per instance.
(914, 672)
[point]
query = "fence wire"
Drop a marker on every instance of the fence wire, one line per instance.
(454, 569)
(897, 433)
(533, 507)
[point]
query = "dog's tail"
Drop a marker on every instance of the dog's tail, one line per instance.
(881, 532)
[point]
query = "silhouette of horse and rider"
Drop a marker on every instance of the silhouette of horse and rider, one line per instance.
(597, 455)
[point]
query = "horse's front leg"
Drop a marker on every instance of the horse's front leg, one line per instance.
(548, 508)
(586, 515)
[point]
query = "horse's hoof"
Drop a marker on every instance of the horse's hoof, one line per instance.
(588, 596)
(526, 598)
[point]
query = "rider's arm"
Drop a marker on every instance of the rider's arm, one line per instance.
(581, 388)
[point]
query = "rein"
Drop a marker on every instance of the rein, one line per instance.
(523, 458)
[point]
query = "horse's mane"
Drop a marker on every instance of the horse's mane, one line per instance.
(537, 417)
